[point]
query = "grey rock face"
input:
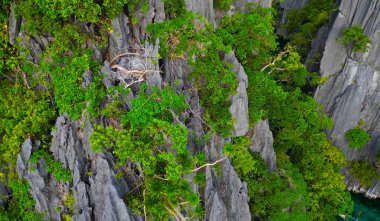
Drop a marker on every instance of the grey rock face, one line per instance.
(202, 7)
(240, 4)
(239, 106)
(98, 194)
(105, 193)
(352, 92)
(119, 39)
(262, 142)
(46, 192)
(226, 196)
(13, 24)
(4, 192)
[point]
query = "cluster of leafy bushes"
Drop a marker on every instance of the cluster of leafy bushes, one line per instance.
(53, 167)
(357, 137)
(222, 4)
(355, 35)
(364, 172)
(216, 82)
(21, 205)
(153, 136)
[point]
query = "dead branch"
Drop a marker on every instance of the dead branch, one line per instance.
(124, 54)
(278, 57)
(134, 73)
(208, 164)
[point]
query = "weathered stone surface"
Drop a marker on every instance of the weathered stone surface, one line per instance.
(45, 190)
(239, 106)
(4, 193)
(106, 193)
(202, 7)
(119, 38)
(225, 195)
(352, 91)
(240, 4)
(262, 142)
(66, 145)
(14, 24)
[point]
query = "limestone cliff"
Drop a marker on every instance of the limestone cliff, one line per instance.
(98, 193)
(351, 93)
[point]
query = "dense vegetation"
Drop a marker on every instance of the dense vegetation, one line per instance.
(150, 132)
(303, 25)
(355, 35)
(357, 137)
(364, 172)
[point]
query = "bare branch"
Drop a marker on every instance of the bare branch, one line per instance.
(208, 164)
(278, 57)
(124, 54)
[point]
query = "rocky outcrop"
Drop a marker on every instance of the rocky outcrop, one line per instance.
(239, 106)
(262, 142)
(97, 192)
(226, 197)
(46, 191)
(202, 7)
(351, 94)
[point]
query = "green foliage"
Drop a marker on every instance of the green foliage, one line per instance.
(242, 159)
(214, 78)
(174, 8)
(44, 15)
(355, 35)
(278, 196)
(290, 70)
(251, 35)
(23, 113)
(150, 137)
(8, 54)
(52, 166)
(364, 172)
(303, 25)
(357, 137)
(21, 206)
(223, 4)
(66, 62)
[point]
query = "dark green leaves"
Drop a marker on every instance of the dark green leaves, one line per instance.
(357, 137)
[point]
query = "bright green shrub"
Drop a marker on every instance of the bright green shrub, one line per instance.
(278, 196)
(174, 8)
(355, 35)
(65, 61)
(21, 207)
(223, 4)
(251, 35)
(52, 166)
(242, 159)
(364, 172)
(357, 137)
(23, 113)
(214, 78)
(152, 136)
